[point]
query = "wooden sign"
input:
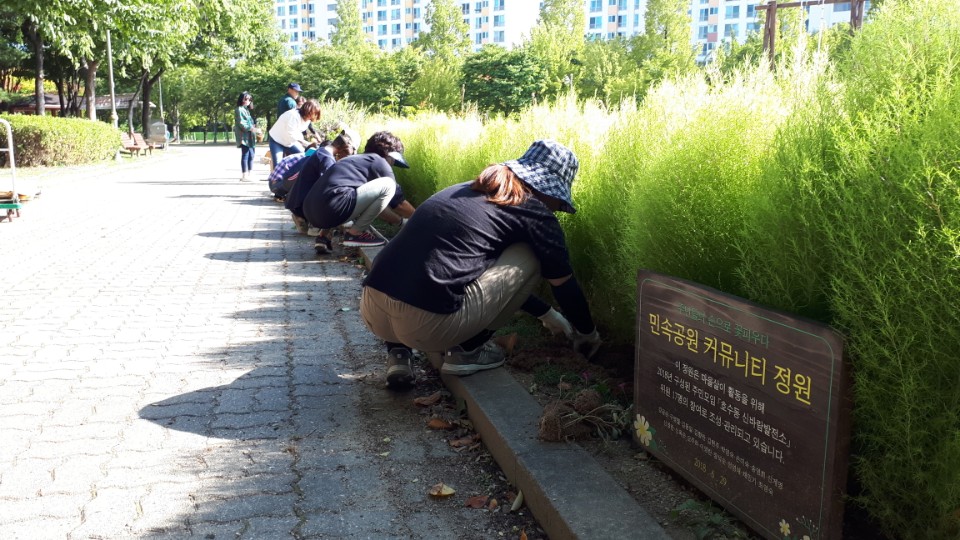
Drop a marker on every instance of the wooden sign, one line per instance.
(749, 404)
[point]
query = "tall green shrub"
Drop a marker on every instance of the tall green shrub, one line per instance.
(895, 290)
(50, 141)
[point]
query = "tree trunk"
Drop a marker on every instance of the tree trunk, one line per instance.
(90, 88)
(133, 101)
(148, 83)
(60, 84)
(33, 36)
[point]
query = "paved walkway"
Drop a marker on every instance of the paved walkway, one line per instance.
(177, 363)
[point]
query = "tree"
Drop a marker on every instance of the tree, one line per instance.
(664, 48)
(349, 31)
(498, 80)
(609, 73)
(557, 43)
(448, 35)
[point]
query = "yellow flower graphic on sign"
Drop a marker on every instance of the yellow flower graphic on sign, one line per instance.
(784, 527)
(643, 430)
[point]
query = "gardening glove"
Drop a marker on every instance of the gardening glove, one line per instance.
(403, 221)
(556, 323)
(586, 344)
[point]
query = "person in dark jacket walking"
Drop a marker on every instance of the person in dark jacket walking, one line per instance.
(470, 258)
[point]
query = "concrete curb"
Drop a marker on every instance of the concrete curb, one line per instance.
(569, 493)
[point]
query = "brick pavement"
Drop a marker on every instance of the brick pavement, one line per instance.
(176, 365)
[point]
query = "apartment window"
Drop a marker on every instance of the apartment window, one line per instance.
(416, 28)
(841, 7)
(714, 10)
(312, 22)
(295, 49)
(621, 21)
(478, 24)
(295, 36)
(465, 9)
(702, 32)
(292, 10)
(733, 12)
(395, 29)
(636, 4)
(416, 13)
(636, 20)
(365, 17)
(381, 3)
(753, 27)
(281, 11)
(395, 42)
(394, 2)
(612, 19)
(382, 15)
(382, 43)
(498, 36)
(283, 24)
(595, 5)
(731, 30)
(408, 26)
(712, 29)
(498, 5)
(381, 30)
(596, 22)
(704, 15)
(395, 15)
(293, 23)
(498, 20)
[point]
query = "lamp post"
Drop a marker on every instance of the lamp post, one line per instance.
(113, 97)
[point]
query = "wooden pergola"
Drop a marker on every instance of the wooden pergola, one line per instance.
(770, 24)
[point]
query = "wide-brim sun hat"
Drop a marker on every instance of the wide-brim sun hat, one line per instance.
(549, 168)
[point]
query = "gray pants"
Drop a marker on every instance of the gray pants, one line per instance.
(372, 199)
(489, 303)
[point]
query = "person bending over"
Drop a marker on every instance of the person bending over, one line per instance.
(286, 135)
(471, 257)
(343, 145)
(359, 189)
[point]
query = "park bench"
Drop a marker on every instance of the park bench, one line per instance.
(130, 143)
(149, 146)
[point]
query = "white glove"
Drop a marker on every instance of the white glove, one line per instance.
(586, 344)
(556, 323)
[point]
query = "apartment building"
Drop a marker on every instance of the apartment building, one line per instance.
(392, 24)
(719, 21)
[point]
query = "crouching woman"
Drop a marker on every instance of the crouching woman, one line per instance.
(470, 258)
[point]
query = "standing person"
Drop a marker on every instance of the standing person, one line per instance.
(286, 135)
(345, 144)
(359, 189)
(245, 130)
(471, 257)
(289, 100)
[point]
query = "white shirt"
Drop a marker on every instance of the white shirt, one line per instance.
(288, 129)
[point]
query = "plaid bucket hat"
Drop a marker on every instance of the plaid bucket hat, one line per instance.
(548, 167)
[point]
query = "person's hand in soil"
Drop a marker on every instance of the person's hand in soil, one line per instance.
(586, 344)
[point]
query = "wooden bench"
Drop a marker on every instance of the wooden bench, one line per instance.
(131, 144)
(148, 146)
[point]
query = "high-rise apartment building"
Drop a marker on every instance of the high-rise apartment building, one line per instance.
(719, 21)
(392, 24)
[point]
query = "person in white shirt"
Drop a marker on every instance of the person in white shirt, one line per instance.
(286, 135)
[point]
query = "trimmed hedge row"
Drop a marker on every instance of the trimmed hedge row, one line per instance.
(50, 141)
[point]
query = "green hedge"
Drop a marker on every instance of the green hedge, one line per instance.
(51, 141)
(828, 189)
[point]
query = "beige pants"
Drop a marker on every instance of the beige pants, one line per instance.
(489, 303)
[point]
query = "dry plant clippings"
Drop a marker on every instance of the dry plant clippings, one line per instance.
(426, 401)
(478, 501)
(439, 423)
(441, 490)
(518, 502)
(564, 386)
(465, 441)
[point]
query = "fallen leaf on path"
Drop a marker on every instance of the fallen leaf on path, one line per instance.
(523, 534)
(465, 441)
(517, 502)
(426, 401)
(441, 490)
(384, 454)
(493, 504)
(477, 502)
(439, 423)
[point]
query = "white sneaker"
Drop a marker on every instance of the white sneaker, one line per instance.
(246, 178)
